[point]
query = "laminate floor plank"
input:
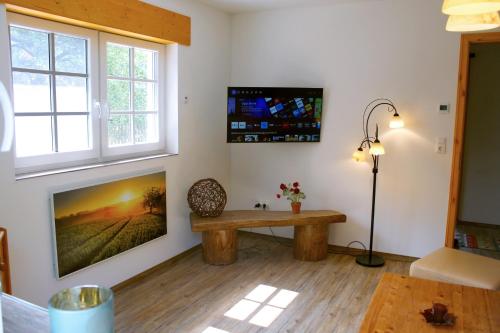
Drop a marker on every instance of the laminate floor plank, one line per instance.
(192, 296)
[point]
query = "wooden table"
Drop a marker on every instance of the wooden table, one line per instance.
(220, 237)
(22, 317)
(398, 300)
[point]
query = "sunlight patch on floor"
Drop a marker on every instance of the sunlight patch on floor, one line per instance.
(266, 316)
(283, 298)
(242, 309)
(260, 293)
(256, 299)
(211, 329)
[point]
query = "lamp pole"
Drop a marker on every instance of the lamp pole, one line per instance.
(374, 192)
(375, 149)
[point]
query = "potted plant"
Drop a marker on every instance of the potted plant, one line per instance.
(293, 193)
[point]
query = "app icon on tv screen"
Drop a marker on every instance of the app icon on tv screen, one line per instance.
(274, 114)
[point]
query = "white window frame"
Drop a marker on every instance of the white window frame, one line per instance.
(46, 161)
(127, 151)
(97, 104)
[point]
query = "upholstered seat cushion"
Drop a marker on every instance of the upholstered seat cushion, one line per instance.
(458, 267)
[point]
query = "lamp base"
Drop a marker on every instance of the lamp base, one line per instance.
(364, 260)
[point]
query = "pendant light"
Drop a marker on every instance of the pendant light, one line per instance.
(470, 7)
(473, 22)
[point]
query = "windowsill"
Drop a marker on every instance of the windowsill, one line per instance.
(30, 175)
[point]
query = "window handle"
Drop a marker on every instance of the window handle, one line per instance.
(105, 110)
(102, 109)
(97, 108)
(7, 120)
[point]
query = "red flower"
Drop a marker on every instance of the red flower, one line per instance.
(296, 184)
(282, 187)
(278, 195)
(296, 191)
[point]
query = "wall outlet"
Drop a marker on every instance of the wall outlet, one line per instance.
(261, 205)
(440, 145)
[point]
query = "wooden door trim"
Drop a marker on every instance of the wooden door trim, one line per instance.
(458, 143)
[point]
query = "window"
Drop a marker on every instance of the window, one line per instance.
(130, 85)
(81, 96)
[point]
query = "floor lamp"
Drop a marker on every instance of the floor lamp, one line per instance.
(375, 149)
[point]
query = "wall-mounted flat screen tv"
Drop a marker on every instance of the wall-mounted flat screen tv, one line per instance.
(274, 114)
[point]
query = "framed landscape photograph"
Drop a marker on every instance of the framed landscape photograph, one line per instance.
(97, 222)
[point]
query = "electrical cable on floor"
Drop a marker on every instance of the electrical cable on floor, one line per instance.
(257, 248)
(346, 252)
(347, 248)
(276, 238)
(332, 251)
(249, 248)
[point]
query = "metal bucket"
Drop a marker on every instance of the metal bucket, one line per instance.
(82, 309)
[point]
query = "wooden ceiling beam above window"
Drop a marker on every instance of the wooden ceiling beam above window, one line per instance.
(131, 18)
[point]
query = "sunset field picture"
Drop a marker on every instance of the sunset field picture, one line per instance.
(98, 222)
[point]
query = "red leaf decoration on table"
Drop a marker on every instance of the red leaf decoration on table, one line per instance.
(438, 315)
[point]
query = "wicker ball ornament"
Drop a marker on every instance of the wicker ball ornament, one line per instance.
(207, 198)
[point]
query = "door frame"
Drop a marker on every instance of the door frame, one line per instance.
(458, 143)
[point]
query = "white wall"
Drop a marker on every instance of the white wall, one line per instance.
(24, 205)
(357, 51)
(480, 192)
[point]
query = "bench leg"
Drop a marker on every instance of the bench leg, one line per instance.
(220, 247)
(310, 242)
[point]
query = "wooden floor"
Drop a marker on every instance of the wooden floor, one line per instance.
(191, 296)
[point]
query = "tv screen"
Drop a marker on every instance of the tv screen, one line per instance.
(274, 114)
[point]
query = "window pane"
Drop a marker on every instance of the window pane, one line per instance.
(119, 131)
(119, 95)
(72, 133)
(145, 128)
(33, 135)
(71, 54)
(29, 48)
(31, 92)
(145, 96)
(144, 61)
(118, 60)
(71, 94)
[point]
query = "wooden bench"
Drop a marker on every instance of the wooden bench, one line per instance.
(220, 237)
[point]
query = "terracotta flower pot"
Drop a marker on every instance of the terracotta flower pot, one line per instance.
(296, 207)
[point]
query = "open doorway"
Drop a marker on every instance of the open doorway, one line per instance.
(474, 210)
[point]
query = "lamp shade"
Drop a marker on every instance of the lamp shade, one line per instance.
(376, 148)
(397, 122)
(359, 155)
(473, 22)
(470, 7)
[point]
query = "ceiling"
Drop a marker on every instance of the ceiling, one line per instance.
(239, 6)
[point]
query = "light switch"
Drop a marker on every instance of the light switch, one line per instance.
(441, 145)
(444, 108)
